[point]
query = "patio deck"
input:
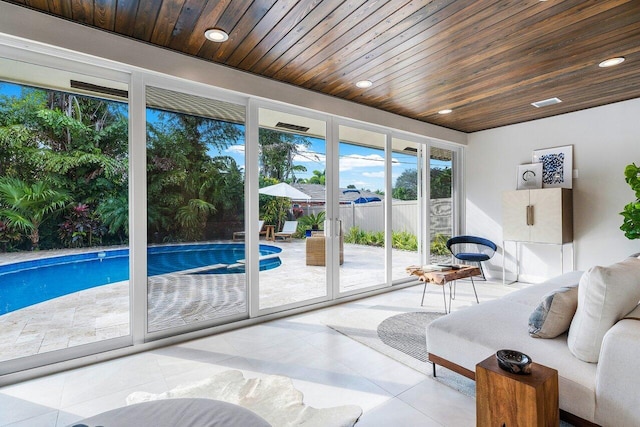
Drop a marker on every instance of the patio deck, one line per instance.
(178, 299)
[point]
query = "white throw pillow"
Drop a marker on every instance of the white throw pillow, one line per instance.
(552, 317)
(605, 295)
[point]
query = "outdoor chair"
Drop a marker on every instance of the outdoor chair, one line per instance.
(239, 235)
(288, 229)
(472, 249)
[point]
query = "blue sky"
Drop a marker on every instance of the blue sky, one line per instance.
(359, 166)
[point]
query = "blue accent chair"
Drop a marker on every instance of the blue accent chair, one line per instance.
(472, 249)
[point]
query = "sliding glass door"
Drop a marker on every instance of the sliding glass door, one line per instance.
(361, 208)
(64, 239)
(292, 206)
(407, 213)
(195, 211)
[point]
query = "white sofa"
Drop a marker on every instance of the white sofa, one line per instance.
(606, 393)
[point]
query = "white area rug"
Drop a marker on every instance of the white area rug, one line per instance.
(274, 398)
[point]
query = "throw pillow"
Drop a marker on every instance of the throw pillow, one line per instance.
(553, 315)
(605, 295)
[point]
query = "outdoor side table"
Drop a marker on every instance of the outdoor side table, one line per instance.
(506, 399)
(269, 232)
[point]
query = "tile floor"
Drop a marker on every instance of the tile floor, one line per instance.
(329, 368)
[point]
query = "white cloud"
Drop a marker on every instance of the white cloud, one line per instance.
(353, 161)
(235, 149)
(308, 156)
(373, 174)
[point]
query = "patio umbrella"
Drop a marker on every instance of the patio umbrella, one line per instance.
(283, 189)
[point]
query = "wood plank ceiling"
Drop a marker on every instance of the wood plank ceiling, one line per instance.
(486, 59)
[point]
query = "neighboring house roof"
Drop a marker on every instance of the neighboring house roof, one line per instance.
(347, 195)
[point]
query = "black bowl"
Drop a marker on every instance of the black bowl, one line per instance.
(514, 362)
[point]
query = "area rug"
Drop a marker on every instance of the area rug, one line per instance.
(401, 336)
(274, 398)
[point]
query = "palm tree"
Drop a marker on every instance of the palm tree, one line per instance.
(26, 206)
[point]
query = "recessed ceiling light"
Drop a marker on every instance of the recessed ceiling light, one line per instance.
(611, 62)
(363, 84)
(216, 35)
(445, 111)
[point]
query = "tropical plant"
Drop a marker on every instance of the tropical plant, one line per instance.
(277, 151)
(319, 177)
(8, 236)
(187, 187)
(80, 227)
(313, 221)
(274, 211)
(26, 206)
(439, 245)
(631, 213)
(114, 214)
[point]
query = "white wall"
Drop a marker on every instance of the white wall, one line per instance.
(604, 139)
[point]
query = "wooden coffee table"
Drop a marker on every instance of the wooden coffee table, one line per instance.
(445, 277)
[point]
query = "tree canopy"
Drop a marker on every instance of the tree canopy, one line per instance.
(64, 172)
(406, 187)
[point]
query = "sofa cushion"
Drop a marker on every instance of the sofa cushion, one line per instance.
(552, 317)
(605, 295)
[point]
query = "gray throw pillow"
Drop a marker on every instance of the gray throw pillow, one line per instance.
(552, 317)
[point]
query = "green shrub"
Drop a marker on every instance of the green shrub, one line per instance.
(439, 245)
(404, 240)
(355, 235)
(399, 239)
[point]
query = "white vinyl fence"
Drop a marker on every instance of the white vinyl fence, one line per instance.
(370, 216)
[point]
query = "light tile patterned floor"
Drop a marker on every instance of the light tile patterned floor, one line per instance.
(329, 368)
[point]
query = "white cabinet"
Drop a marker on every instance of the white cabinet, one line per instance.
(538, 216)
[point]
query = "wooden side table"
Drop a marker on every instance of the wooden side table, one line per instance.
(269, 232)
(504, 399)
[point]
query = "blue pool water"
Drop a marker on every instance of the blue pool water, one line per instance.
(30, 282)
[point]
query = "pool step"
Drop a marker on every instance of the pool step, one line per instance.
(262, 257)
(204, 268)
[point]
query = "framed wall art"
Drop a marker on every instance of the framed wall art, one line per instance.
(557, 166)
(529, 176)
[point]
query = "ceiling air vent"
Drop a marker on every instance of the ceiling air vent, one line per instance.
(99, 89)
(292, 127)
(546, 102)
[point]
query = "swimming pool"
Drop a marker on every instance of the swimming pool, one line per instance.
(29, 282)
